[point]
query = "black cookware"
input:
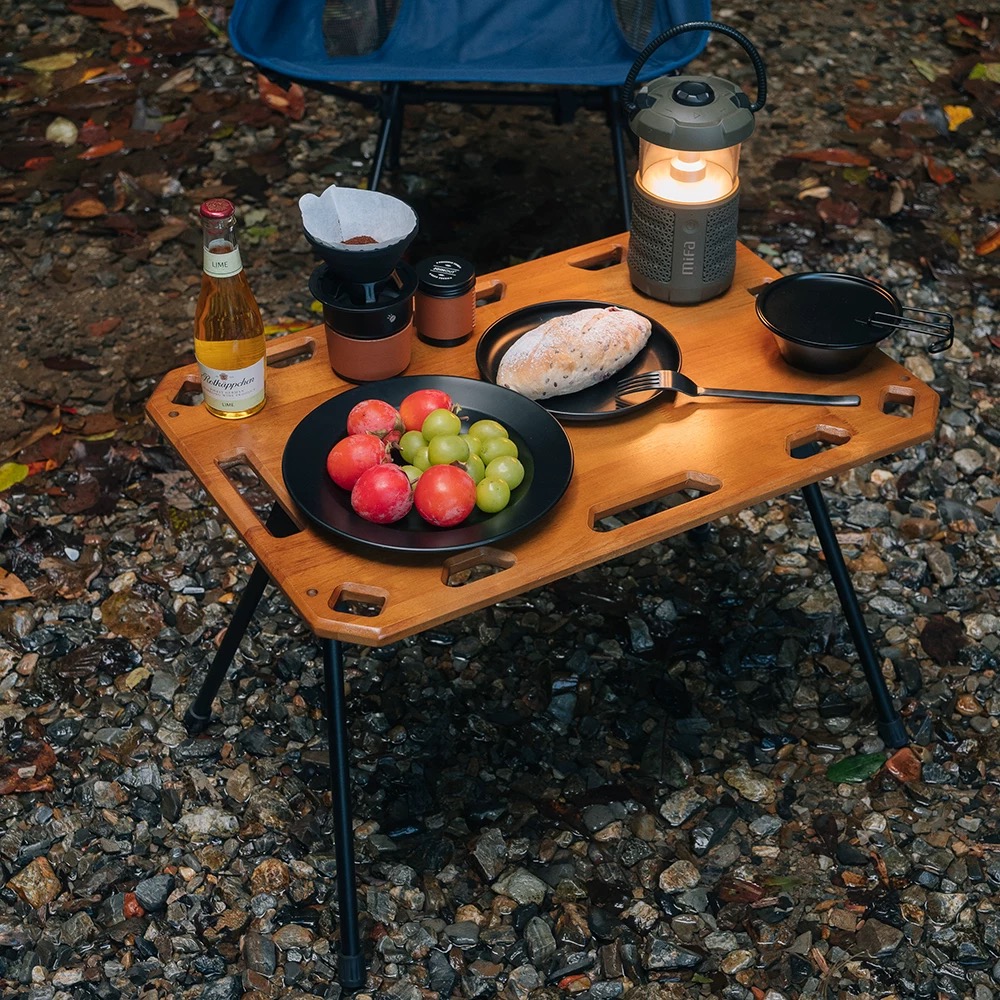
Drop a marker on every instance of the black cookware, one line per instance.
(825, 322)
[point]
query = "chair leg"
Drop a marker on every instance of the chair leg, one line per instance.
(619, 127)
(351, 965)
(390, 109)
(890, 724)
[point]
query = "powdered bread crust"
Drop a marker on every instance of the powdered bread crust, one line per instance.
(573, 352)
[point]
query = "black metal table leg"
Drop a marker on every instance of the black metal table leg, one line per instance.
(199, 714)
(890, 724)
(351, 966)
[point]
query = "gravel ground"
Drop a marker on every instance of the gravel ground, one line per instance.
(657, 779)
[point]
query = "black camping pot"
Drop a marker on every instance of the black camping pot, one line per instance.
(826, 322)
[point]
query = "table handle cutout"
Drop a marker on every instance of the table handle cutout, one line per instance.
(298, 349)
(475, 564)
(897, 401)
(489, 291)
(683, 489)
(608, 256)
(820, 438)
(358, 600)
(189, 392)
(256, 494)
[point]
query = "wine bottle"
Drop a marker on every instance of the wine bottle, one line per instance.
(228, 329)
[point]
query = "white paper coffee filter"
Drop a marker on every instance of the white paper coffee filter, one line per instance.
(340, 214)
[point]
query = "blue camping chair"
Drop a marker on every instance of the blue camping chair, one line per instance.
(576, 53)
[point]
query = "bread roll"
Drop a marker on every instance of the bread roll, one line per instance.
(573, 352)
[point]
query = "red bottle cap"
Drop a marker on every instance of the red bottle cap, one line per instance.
(217, 208)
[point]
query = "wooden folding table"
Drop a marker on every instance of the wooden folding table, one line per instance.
(728, 454)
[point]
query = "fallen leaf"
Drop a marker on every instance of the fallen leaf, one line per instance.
(938, 172)
(838, 212)
(104, 12)
(942, 638)
(102, 327)
(986, 71)
(926, 69)
(81, 204)
(957, 113)
(65, 363)
(50, 64)
(168, 7)
(830, 155)
(291, 102)
(177, 80)
(989, 244)
(11, 588)
(856, 769)
(104, 149)
(50, 425)
(11, 473)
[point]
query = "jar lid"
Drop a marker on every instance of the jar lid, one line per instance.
(445, 276)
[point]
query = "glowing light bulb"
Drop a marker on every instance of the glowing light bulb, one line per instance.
(687, 178)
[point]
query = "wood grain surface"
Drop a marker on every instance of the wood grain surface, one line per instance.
(734, 453)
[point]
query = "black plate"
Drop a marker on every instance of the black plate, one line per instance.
(542, 446)
(597, 402)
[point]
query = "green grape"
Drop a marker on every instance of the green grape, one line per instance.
(507, 468)
(473, 465)
(412, 473)
(439, 422)
(421, 460)
(485, 429)
(444, 449)
(475, 444)
(410, 443)
(492, 495)
(495, 447)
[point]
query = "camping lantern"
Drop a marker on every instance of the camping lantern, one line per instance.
(682, 245)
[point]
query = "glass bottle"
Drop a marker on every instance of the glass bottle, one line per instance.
(228, 329)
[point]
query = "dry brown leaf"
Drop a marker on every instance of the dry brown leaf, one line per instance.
(989, 244)
(291, 102)
(49, 425)
(11, 588)
(81, 204)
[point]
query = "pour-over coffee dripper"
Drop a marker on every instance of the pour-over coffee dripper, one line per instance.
(360, 235)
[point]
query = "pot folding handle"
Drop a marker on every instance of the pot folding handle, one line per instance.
(940, 327)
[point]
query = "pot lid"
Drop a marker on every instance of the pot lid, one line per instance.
(826, 309)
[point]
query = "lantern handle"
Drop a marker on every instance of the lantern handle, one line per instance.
(628, 89)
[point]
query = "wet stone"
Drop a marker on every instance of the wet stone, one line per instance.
(522, 886)
(877, 939)
(490, 853)
(660, 954)
(681, 805)
(679, 876)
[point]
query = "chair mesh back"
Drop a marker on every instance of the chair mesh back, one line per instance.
(635, 18)
(357, 27)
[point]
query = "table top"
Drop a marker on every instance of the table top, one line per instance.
(732, 454)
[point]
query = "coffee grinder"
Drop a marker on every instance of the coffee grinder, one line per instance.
(364, 286)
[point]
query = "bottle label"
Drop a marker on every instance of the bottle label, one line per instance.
(234, 390)
(223, 265)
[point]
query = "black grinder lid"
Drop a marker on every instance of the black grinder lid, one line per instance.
(445, 277)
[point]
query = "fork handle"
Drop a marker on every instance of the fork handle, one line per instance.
(783, 397)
